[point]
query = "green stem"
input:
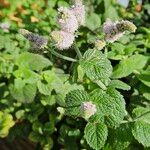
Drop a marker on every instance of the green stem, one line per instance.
(129, 117)
(101, 85)
(61, 56)
(106, 51)
(77, 51)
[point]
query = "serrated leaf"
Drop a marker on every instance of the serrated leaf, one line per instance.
(141, 127)
(96, 65)
(119, 85)
(33, 61)
(65, 88)
(74, 100)
(120, 137)
(141, 132)
(128, 65)
(110, 104)
(96, 135)
(137, 112)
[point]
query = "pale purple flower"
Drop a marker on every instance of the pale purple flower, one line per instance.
(37, 40)
(63, 40)
(5, 26)
(87, 109)
(67, 20)
(79, 11)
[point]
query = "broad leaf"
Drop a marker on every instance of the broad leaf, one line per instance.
(128, 65)
(93, 21)
(6, 122)
(119, 85)
(121, 137)
(33, 61)
(111, 104)
(141, 132)
(96, 135)
(141, 128)
(96, 65)
(26, 94)
(74, 100)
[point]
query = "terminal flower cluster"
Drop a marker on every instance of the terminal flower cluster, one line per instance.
(115, 30)
(69, 20)
(88, 109)
(37, 40)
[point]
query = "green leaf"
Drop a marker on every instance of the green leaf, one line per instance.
(141, 127)
(48, 100)
(146, 96)
(74, 100)
(111, 12)
(27, 75)
(119, 85)
(110, 104)
(6, 122)
(140, 111)
(96, 65)
(121, 137)
(96, 135)
(32, 61)
(64, 89)
(141, 132)
(25, 94)
(44, 88)
(93, 21)
(145, 78)
(128, 65)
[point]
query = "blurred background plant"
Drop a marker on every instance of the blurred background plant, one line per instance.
(31, 91)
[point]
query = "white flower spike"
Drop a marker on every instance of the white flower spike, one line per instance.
(67, 20)
(79, 11)
(63, 40)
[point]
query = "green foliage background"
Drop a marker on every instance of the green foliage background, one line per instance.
(40, 94)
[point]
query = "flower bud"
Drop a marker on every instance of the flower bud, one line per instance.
(99, 44)
(67, 20)
(113, 31)
(87, 109)
(63, 40)
(125, 25)
(37, 40)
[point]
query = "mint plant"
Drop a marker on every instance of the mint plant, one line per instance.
(72, 88)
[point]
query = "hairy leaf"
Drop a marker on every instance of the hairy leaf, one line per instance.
(141, 128)
(74, 100)
(96, 135)
(120, 137)
(111, 104)
(96, 65)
